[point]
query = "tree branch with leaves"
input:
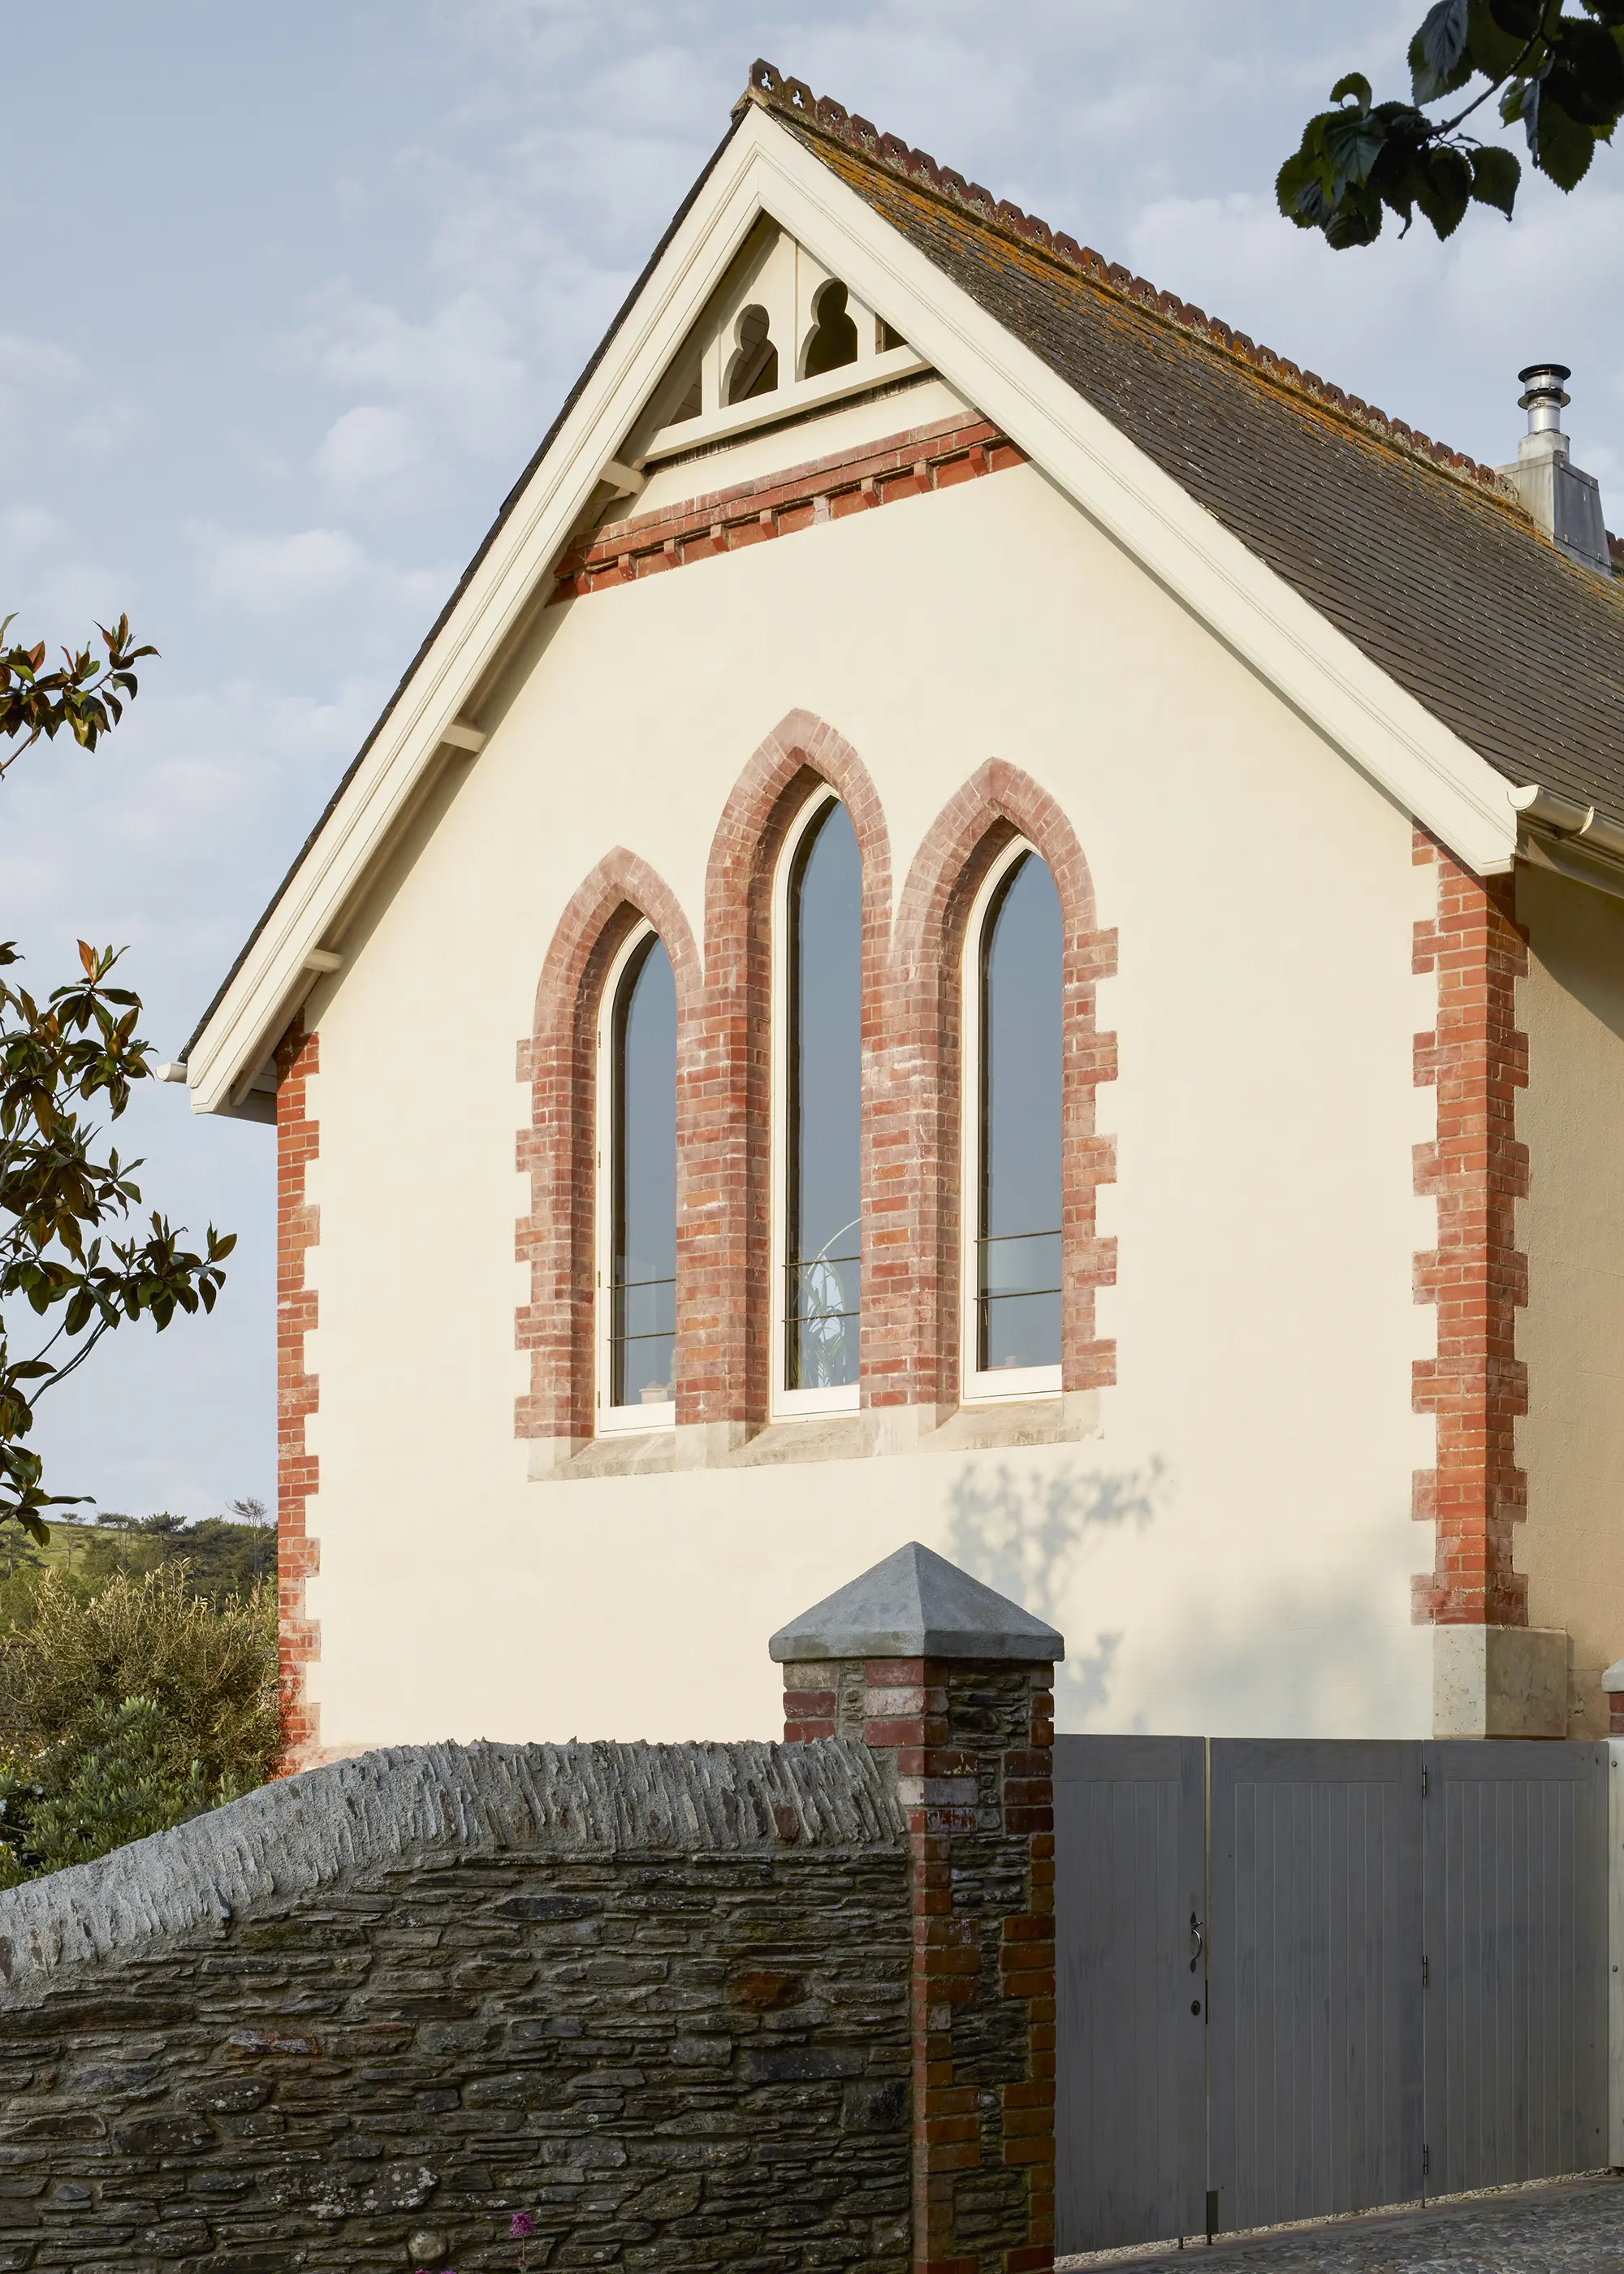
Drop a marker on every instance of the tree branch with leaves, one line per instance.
(84, 693)
(1559, 76)
(71, 1257)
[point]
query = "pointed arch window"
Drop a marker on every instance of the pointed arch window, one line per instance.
(818, 1070)
(637, 1189)
(1012, 1209)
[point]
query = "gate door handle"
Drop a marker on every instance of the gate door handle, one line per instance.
(1197, 1942)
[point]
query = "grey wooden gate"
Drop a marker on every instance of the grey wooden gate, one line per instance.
(1131, 2121)
(1405, 1976)
(1516, 1961)
(1314, 2042)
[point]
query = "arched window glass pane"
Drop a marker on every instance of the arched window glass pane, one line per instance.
(643, 1313)
(822, 1226)
(1017, 1278)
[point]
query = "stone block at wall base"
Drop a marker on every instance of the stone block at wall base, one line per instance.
(547, 1457)
(1500, 1682)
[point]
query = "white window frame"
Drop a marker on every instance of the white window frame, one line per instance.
(614, 1421)
(995, 1385)
(783, 1403)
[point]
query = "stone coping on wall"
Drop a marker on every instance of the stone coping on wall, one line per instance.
(437, 1803)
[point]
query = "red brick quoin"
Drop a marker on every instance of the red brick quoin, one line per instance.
(299, 1229)
(972, 1747)
(1477, 1172)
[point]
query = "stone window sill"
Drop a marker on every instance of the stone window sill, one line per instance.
(877, 1432)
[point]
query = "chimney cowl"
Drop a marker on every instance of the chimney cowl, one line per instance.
(1556, 495)
(1545, 396)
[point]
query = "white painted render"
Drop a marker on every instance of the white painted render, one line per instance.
(1571, 1228)
(1232, 1551)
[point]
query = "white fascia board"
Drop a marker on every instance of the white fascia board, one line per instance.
(254, 1011)
(1317, 669)
(1377, 724)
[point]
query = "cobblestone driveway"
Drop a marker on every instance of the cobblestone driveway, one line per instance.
(1576, 2228)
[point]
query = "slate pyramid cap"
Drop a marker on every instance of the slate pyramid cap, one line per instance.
(918, 1605)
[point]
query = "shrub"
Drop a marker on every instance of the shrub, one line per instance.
(113, 1778)
(129, 1712)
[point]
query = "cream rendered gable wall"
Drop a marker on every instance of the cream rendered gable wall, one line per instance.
(1233, 1551)
(1571, 1228)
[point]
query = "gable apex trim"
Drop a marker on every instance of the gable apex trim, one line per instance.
(762, 167)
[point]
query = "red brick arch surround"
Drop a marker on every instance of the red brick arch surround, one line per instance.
(723, 1373)
(914, 1289)
(911, 993)
(560, 1061)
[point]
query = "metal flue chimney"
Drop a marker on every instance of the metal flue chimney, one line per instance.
(1563, 501)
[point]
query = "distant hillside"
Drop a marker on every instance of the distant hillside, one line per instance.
(223, 1554)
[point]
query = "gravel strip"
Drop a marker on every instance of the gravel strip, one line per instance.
(1560, 2229)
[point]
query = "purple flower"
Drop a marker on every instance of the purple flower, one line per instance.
(523, 2223)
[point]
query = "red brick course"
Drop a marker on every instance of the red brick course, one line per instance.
(934, 456)
(558, 1149)
(298, 1228)
(1477, 1170)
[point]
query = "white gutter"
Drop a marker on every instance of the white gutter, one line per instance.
(1560, 833)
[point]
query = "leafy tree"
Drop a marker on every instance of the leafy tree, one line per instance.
(65, 1203)
(1559, 76)
(220, 1555)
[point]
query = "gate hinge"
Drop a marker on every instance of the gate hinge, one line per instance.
(1425, 1780)
(1426, 2163)
(1426, 1973)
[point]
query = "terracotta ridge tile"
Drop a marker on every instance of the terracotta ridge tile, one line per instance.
(823, 114)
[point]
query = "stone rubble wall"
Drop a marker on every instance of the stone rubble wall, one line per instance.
(658, 1997)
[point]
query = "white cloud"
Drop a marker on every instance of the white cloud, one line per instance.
(26, 531)
(55, 592)
(46, 392)
(452, 380)
(376, 449)
(309, 573)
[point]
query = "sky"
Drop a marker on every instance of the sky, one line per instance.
(293, 293)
